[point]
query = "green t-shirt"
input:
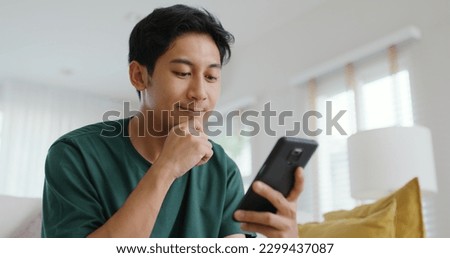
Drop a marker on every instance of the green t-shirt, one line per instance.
(91, 171)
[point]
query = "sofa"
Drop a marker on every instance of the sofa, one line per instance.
(397, 215)
(20, 217)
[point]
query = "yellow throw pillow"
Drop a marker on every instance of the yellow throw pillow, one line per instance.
(379, 224)
(409, 219)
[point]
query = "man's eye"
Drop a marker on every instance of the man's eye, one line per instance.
(181, 74)
(211, 78)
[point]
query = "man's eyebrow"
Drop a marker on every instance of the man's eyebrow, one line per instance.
(187, 62)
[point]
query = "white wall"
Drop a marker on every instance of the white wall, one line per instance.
(264, 68)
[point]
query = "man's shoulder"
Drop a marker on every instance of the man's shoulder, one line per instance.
(100, 130)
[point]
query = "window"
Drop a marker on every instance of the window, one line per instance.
(333, 181)
(396, 108)
(32, 118)
(238, 147)
(381, 104)
(373, 95)
(334, 177)
(1, 126)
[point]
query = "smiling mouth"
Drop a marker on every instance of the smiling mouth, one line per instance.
(188, 109)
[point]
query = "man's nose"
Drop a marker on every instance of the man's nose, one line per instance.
(197, 89)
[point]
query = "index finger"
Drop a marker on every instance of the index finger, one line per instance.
(273, 196)
(298, 185)
(195, 126)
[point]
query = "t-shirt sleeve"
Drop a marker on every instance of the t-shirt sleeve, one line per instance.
(70, 202)
(235, 192)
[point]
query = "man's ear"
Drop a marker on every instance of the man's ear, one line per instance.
(138, 75)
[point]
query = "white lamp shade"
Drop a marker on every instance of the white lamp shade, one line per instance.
(383, 160)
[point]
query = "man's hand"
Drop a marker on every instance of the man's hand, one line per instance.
(281, 224)
(186, 146)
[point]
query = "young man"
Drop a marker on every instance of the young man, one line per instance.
(157, 174)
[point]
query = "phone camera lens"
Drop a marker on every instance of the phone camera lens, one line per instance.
(296, 152)
(294, 156)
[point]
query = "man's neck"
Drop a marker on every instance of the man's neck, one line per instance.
(145, 140)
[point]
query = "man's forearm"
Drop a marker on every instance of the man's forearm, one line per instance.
(137, 217)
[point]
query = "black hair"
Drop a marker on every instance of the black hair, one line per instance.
(153, 35)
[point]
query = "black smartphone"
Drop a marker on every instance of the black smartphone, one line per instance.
(278, 170)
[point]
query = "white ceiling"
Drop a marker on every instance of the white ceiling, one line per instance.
(83, 44)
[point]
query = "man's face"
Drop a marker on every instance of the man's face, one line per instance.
(185, 82)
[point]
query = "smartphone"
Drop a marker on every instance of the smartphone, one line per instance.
(278, 171)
